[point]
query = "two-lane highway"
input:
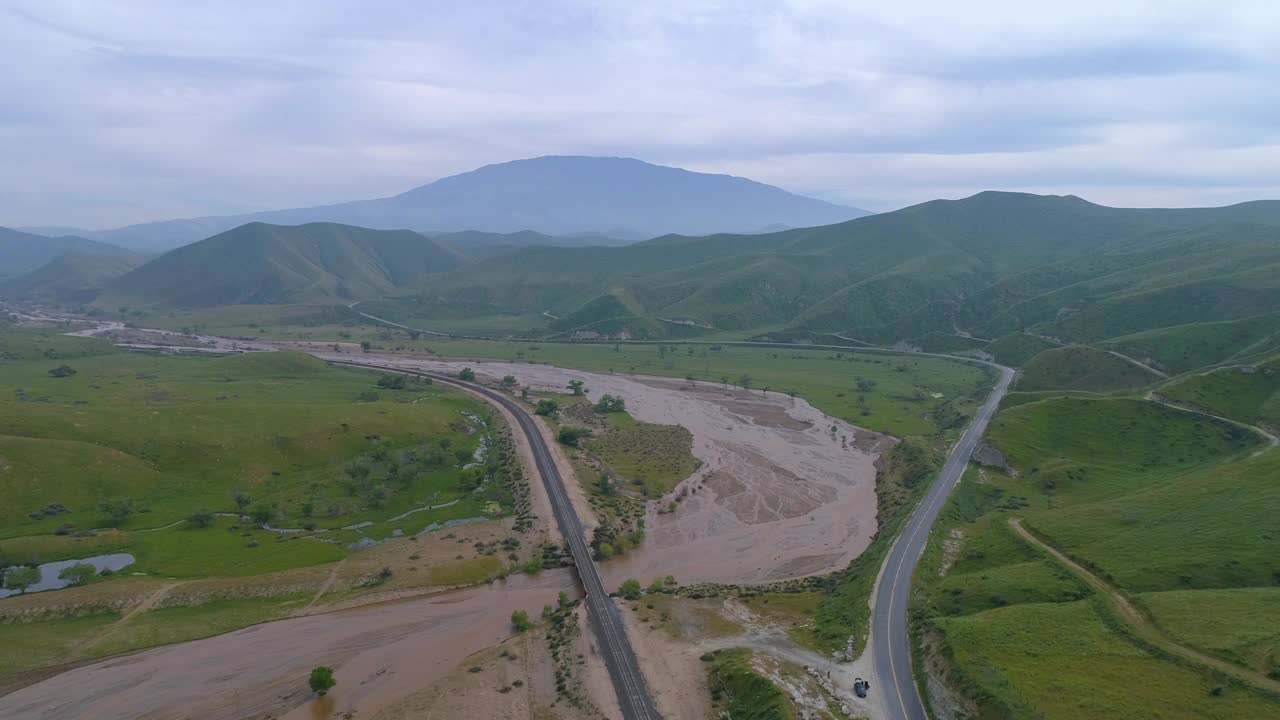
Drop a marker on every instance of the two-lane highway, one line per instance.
(611, 634)
(891, 640)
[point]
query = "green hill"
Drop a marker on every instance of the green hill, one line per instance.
(1246, 393)
(994, 264)
(73, 277)
(1080, 367)
(263, 264)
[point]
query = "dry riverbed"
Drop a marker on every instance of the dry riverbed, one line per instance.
(784, 490)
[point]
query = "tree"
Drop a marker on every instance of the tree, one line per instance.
(547, 408)
(520, 620)
(117, 509)
(467, 374)
(365, 345)
(745, 381)
(577, 387)
(201, 518)
(78, 574)
(630, 589)
(20, 578)
(611, 404)
(241, 499)
(864, 385)
(606, 487)
(263, 513)
(508, 380)
(62, 371)
(367, 396)
(321, 679)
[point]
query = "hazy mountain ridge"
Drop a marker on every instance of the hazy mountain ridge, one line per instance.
(552, 195)
(22, 252)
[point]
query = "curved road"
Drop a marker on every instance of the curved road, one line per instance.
(892, 646)
(619, 657)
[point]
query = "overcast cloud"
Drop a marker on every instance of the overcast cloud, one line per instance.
(121, 112)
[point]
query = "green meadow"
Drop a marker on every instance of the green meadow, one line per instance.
(1172, 508)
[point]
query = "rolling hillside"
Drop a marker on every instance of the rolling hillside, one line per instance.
(73, 277)
(992, 264)
(261, 264)
(21, 252)
(557, 195)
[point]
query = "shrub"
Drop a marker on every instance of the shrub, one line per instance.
(520, 620)
(62, 371)
(611, 404)
(547, 408)
(467, 374)
(571, 434)
(201, 518)
(117, 509)
(392, 382)
(630, 589)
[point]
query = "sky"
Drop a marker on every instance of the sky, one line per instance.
(123, 112)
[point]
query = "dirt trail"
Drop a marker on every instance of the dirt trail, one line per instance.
(1139, 622)
(380, 652)
(778, 496)
(328, 583)
(76, 653)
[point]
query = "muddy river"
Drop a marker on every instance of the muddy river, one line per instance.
(380, 653)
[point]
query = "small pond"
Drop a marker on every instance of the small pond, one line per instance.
(49, 579)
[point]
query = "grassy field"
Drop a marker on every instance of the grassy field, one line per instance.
(1238, 624)
(33, 644)
(652, 458)
(1061, 660)
(740, 692)
(1081, 367)
(175, 434)
(1169, 506)
(164, 625)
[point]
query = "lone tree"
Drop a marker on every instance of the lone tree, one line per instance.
(62, 371)
(577, 387)
(241, 499)
(78, 574)
(508, 380)
(20, 578)
(467, 374)
(520, 620)
(321, 679)
(571, 434)
(547, 408)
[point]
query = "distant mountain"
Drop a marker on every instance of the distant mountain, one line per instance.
(22, 252)
(990, 264)
(555, 195)
(259, 263)
(73, 277)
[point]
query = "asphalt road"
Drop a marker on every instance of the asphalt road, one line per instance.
(891, 641)
(611, 635)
